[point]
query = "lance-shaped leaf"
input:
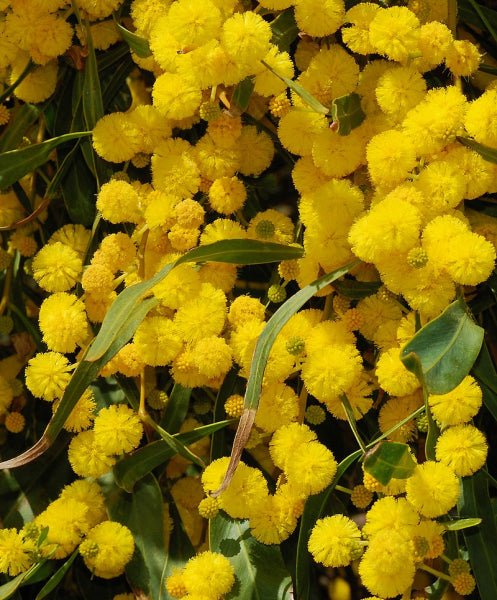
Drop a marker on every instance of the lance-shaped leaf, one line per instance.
(299, 90)
(446, 348)
(243, 93)
(481, 541)
(259, 569)
(347, 113)
(489, 154)
(285, 29)
(355, 290)
(246, 252)
(459, 524)
(17, 163)
(138, 44)
(389, 460)
(57, 577)
(259, 360)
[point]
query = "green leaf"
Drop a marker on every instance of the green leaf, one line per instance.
(459, 524)
(489, 154)
(446, 347)
(299, 90)
(314, 509)
(176, 408)
(179, 549)
(20, 119)
(93, 106)
(14, 164)
(228, 251)
(347, 112)
(132, 468)
(138, 44)
(355, 290)
(259, 569)
(484, 371)
(142, 512)
(57, 577)
(218, 442)
(78, 188)
(467, 14)
(243, 93)
(481, 542)
(285, 29)
(9, 588)
(389, 460)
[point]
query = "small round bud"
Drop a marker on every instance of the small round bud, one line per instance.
(276, 293)
(265, 229)
(157, 399)
(208, 508)
(209, 111)
(464, 583)
(420, 546)
(280, 105)
(5, 259)
(371, 484)
(140, 160)
(175, 585)
(356, 550)
(458, 566)
(234, 406)
(384, 294)
(295, 345)
(14, 422)
(17, 386)
(422, 423)
(202, 407)
(4, 115)
(88, 549)
(340, 304)
(361, 496)
(120, 176)
(417, 258)
(315, 415)
(288, 270)
(31, 531)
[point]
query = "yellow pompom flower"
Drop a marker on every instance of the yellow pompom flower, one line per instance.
(63, 323)
(255, 151)
(193, 23)
(433, 489)
(287, 440)
(16, 553)
(331, 371)
(107, 549)
(212, 356)
(87, 458)
(333, 539)
(181, 284)
(459, 405)
(471, 258)
(391, 515)
(396, 410)
(115, 138)
(175, 584)
(274, 520)
(225, 129)
(246, 38)
(202, 316)
(391, 157)
(38, 85)
(393, 376)
(310, 469)
(75, 236)
(387, 567)
(82, 415)
(266, 83)
(356, 37)
(244, 309)
(291, 126)
(338, 155)
(157, 341)
(117, 429)
(119, 202)
(90, 494)
(480, 120)
(435, 39)
(234, 406)
(208, 575)
(47, 375)
(398, 90)
(14, 422)
(394, 33)
(98, 9)
(278, 406)
(319, 17)
(227, 195)
(462, 58)
(174, 97)
(463, 448)
(56, 267)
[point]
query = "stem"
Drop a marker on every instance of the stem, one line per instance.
(434, 572)
(6, 289)
(352, 422)
(392, 429)
(27, 70)
(345, 490)
(302, 403)
(484, 19)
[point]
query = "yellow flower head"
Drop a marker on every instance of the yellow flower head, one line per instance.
(391, 514)
(117, 429)
(319, 17)
(115, 138)
(433, 489)
(392, 375)
(208, 574)
(459, 405)
(356, 37)
(332, 540)
(394, 32)
(47, 375)
(463, 448)
(63, 322)
(15, 552)
(114, 549)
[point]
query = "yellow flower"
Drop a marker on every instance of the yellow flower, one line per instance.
(47, 375)
(56, 267)
(15, 552)
(63, 323)
(311, 468)
(227, 195)
(458, 406)
(391, 515)
(433, 489)
(463, 448)
(319, 17)
(394, 32)
(87, 458)
(117, 429)
(332, 539)
(208, 574)
(107, 549)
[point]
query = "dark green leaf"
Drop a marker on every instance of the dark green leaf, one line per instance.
(467, 14)
(20, 119)
(138, 44)
(355, 290)
(57, 577)
(489, 154)
(347, 112)
(300, 91)
(218, 444)
(243, 93)
(93, 106)
(446, 347)
(142, 512)
(314, 509)
(481, 541)
(284, 29)
(389, 460)
(14, 164)
(259, 569)
(484, 371)
(9, 588)
(78, 188)
(228, 251)
(132, 468)
(459, 524)
(176, 409)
